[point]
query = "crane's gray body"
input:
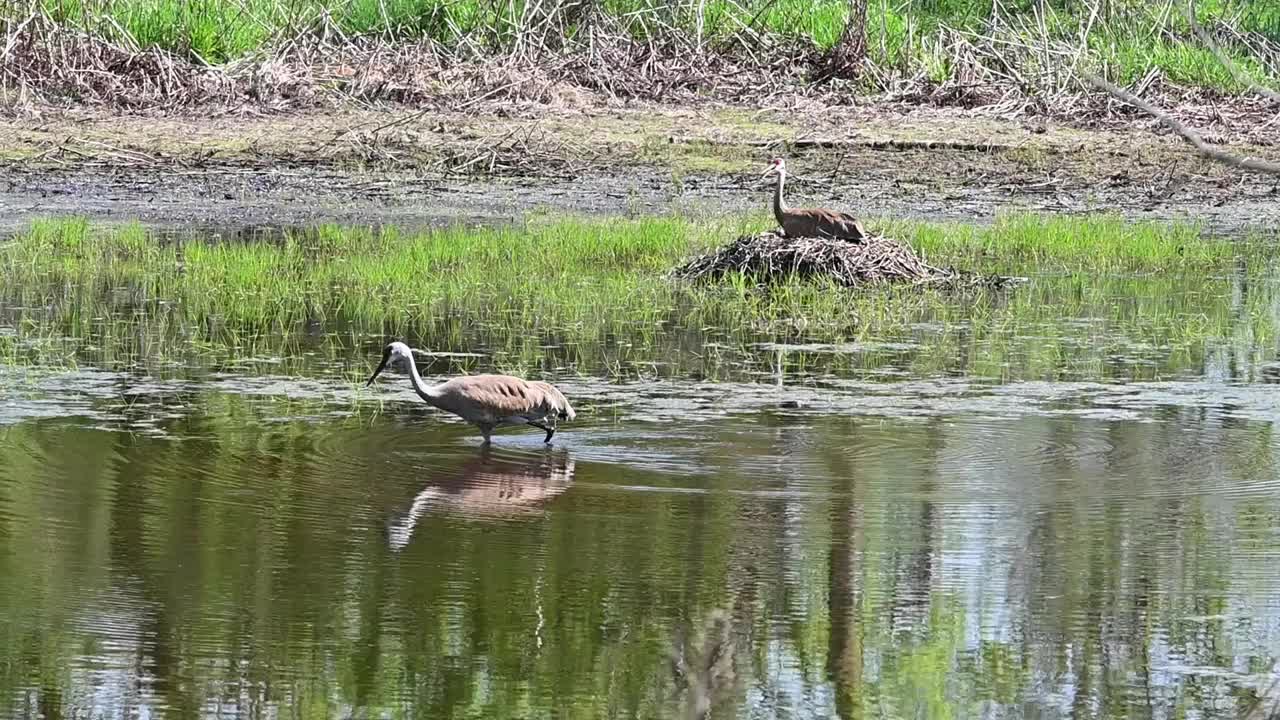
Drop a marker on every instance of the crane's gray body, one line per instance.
(486, 400)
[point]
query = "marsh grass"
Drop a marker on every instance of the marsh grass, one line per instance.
(596, 295)
(1028, 244)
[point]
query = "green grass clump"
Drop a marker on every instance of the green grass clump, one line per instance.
(1131, 57)
(1090, 243)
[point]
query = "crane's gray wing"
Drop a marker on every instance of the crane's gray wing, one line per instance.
(555, 400)
(500, 395)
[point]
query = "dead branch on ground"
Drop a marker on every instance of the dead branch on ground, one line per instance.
(1191, 136)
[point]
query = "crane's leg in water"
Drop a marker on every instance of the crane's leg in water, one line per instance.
(550, 430)
(485, 429)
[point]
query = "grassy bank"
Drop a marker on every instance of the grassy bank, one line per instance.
(1023, 45)
(589, 294)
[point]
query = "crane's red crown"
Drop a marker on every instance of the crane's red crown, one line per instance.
(775, 165)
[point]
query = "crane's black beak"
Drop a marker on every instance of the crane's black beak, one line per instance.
(769, 172)
(386, 355)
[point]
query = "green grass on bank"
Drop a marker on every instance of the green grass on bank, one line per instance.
(541, 251)
(597, 295)
(1129, 38)
(576, 270)
(1087, 243)
(386, 271)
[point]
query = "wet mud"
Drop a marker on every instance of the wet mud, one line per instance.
(689, 164)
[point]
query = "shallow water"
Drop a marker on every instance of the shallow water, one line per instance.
(1071, 512)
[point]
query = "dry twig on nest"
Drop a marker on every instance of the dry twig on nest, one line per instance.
(771, 257)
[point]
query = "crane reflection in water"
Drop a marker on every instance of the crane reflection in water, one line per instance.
(491, 485)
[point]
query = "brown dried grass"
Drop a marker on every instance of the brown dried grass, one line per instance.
(42, 59)
(1008, 73)
(46, 62)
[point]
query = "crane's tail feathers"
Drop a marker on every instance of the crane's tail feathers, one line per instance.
(556, 402)
(565, 410)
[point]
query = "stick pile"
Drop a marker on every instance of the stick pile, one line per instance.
(41, 57)
(772, 257)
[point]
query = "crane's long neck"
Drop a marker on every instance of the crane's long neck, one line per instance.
(425, 391)
(779, 205)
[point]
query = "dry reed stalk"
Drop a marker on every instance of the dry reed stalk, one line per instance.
(530, 57)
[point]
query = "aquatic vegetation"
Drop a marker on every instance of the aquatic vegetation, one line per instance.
(258, 541)
(597, 296)
(1030, 243)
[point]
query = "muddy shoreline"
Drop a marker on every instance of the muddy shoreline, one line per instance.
(308, 169)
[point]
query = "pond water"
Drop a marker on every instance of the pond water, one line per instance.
(1066, 512)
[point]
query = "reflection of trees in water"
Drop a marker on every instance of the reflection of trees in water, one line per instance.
(1097, 591)
(844, 592)
(160, 652)
(702, 664)
(492, 486)
(844, 602)
(909, 568)
(1094, 590)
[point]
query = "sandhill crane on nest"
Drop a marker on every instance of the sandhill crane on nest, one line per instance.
(485, 400)
(810, 222)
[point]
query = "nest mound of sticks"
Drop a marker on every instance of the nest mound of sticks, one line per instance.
(772, 257)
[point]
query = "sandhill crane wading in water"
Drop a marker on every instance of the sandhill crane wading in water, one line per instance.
(487, 401)
(810, 222)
